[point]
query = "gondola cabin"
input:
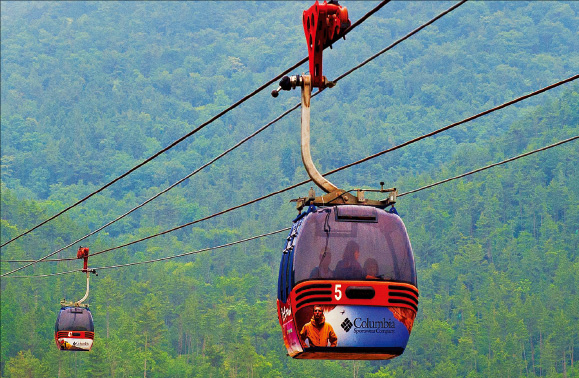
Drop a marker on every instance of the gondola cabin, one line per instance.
(347, 284)
(74, 329)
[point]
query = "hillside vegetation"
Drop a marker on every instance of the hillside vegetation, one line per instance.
(91, 89)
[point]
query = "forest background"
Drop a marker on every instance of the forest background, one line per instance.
(91, 89)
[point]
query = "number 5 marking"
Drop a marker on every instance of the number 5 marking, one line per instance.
(338, 292)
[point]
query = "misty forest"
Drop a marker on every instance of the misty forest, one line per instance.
(92, 89)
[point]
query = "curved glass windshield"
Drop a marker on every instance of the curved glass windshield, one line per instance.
(354, 243)
(74, 319)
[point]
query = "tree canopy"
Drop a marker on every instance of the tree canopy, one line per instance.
(91, 89)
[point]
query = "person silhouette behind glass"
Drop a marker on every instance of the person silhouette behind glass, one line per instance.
(371, 268)
(349, 268)
(323, 270)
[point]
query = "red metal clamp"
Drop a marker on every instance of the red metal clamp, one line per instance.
(323, 25)
(82, 253)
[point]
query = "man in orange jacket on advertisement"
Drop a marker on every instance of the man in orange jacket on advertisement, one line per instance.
(317, 331)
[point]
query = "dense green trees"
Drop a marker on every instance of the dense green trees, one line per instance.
(90, 89)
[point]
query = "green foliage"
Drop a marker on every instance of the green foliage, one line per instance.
(91, 89)
(24, 365)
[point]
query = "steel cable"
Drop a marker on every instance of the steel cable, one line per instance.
(288, 228)
(251, 136)
(521, 98)
(490, 166)
(176, 142)
(163, 258)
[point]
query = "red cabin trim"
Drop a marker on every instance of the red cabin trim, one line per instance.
(333, 292)
(75, 334)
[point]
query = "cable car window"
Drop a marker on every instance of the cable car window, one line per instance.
(353, 250)
(287, 275)
(281, 279)
(74, 319)
(356, 214)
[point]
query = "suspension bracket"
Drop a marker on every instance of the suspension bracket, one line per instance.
(82, 253)
(323, 24)
(342, 197)
(65, 303)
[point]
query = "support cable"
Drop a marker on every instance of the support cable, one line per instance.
(521, 98)
(504, 105)
(549, 87)
(260, 130)
(46, 259)
(211, 120)
(288, 228)
(163, 258)
(399, 41)
(491, 166)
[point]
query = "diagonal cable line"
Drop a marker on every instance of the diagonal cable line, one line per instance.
(151, 158)
(263, 128)
(288, 228)
(504, 105)
(491, 165)
(176, 142)
(399, 41)
(354, 163)
(164, 258)
(45, 259)
(521, 98)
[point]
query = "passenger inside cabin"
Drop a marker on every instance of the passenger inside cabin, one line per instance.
(323, 269)
(349, 268)
(371, 268)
